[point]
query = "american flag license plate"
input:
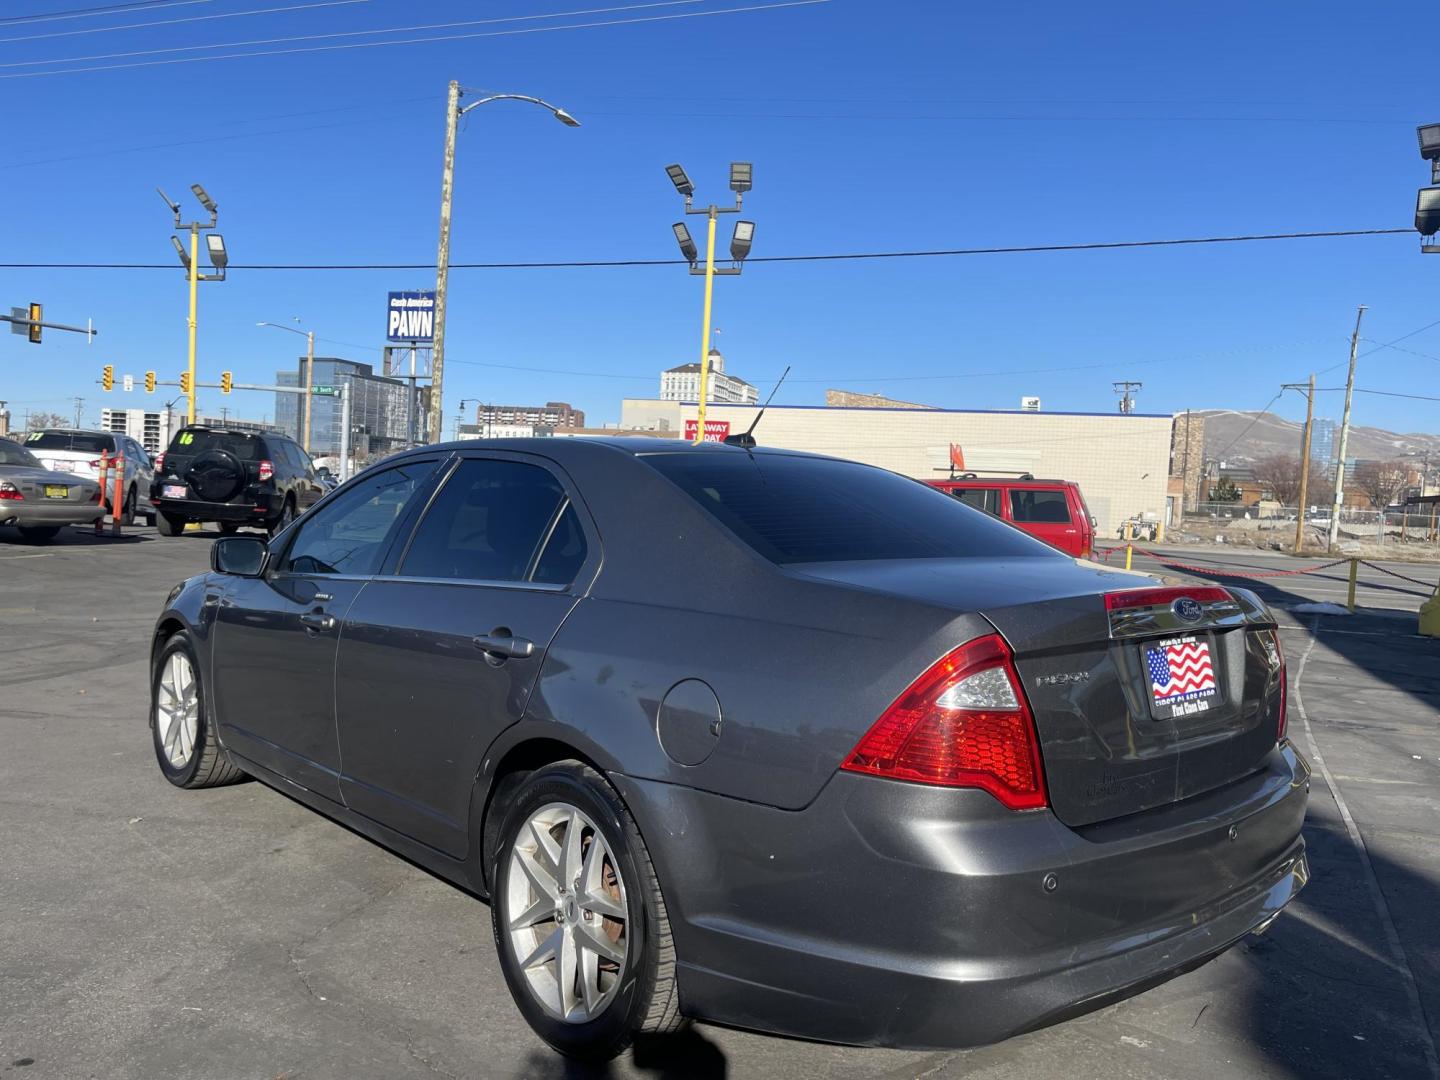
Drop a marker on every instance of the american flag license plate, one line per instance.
(1182, 676)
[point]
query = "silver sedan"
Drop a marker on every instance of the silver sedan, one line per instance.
(40, 502)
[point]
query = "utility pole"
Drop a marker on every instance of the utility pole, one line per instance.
(79, 408)
(1344, 435)
(1304, 461)
(1127, 402)
(442, 263)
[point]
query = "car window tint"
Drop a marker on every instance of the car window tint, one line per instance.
(486, 522)
(14, 454)
(564, 552)
(1039, 507)
(195, 441)
(351, 534)
(794, 509)
(987, 499)
(65, 440)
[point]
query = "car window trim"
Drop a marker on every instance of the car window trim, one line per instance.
(546, 536)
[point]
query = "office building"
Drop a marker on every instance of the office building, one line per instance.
(151, 430)
(383, 411)
(683, 384)
(553, 414)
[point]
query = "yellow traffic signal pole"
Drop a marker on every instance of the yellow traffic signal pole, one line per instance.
(194, 298)
(705, 331)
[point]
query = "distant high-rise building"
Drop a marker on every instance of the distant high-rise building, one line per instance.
(683, 384)
(383, 411)
(553, 414)
(151, 430)
(1322, 442)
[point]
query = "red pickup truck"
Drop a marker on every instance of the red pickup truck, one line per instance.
(1050, 510)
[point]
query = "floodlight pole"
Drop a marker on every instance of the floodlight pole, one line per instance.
(453, 112)
(712, 212)
(194, 277)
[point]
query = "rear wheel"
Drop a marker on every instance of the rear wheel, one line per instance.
(127, 512)
(39, 534)
(228, 528)
(579, 921)
(287, 515)
(185, 744)
(171, 524)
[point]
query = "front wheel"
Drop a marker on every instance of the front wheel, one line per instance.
(287, 515)
(185, 744)
(171, 524)
(579, 920)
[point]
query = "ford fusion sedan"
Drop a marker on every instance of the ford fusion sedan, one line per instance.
(779, 741)
(39, 502)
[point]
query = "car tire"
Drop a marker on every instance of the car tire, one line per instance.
(185, 746)
(228, 528)
(39, 534)
(170, 524)
(287, 515)
(622, 982)
(127, 510)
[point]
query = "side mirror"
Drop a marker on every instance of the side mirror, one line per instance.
(242, 556)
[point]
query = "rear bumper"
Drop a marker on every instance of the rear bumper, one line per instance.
(35, 513)
(893, 914)
(257, 508)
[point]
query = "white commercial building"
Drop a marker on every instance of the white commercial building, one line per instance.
(1120, 461)
(151, 430)
(683, 384)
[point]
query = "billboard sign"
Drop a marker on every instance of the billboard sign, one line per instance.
(410, 317)
(715, 430)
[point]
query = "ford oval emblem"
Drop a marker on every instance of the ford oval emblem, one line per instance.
(1187, 609)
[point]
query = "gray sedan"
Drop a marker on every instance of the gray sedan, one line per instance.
(774, 740)
(39, 501)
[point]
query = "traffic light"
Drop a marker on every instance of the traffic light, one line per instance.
(107, 377)
(226, 382)
(149, 382)
(35, 327)
(185, 382)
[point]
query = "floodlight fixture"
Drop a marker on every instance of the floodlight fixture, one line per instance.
(205, 200)
(180, 250)
(218, 256)
(171, 203)
(1429, 141)
(740, 241)
(740, 176)
(566, 119)
(1427, 211)
(680, 180)
(687, 244)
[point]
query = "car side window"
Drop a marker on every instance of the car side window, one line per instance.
(487, 523)
(564, 552)
(987, 499)
(352, 534)
(1039, 507)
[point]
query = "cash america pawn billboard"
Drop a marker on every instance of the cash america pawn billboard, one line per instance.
(410, 318)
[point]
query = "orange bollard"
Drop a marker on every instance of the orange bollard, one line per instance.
(117, 503)
(104, 475)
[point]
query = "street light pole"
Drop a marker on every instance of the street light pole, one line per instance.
(453, 112)
(705, 330)
(1344, 436)
(194, 305)
(309, 378)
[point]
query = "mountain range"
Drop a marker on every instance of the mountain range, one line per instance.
(1241, 438)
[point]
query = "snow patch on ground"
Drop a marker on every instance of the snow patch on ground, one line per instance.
(1320, 609)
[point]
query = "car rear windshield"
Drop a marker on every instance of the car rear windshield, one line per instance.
(795, 509)
(244, 447)
(65, 440)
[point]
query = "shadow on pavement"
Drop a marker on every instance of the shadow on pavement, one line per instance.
(685, 1055)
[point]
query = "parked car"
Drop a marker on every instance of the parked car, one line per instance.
(72, 450)
(234, 478)
(774, 740)
(40, 501)
(1050, 510)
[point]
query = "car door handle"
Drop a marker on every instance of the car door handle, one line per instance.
(317, 620)
(504, 645)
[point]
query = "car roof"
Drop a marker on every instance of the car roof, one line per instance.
(560, 447)
(72, 431)
(1004, 481)
(233, 431)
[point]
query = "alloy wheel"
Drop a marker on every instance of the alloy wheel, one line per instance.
(565, 911)
(177, 710)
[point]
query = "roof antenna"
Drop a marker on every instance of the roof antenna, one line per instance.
(747, 438)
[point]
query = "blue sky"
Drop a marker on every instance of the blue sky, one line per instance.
(908, 124)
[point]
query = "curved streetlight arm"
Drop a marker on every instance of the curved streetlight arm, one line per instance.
(559, 113)
(280, 326)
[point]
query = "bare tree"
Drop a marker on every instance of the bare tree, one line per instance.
(1280, 475)
(40, 420)
(1381, 481)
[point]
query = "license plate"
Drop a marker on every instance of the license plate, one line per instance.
(57, 491)
(1182, 676)
(174, 491)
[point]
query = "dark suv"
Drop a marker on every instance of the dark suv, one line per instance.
(234, 478)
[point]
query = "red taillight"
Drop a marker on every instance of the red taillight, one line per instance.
(964, 723)
(1150, 597)
(9, 492)
(267, 470)
(159, 461)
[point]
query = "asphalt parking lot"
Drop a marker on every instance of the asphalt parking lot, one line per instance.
(152, 932)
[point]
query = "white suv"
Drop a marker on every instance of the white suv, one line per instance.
(78, 452)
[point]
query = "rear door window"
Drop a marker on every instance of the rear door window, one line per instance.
(1028, 506)
(796, 509)
(488, 524)
(987, 499)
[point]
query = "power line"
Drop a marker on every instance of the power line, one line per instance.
(419, 41)
(107, 9)
(1393, 393)
(1385, 344)
(612, 263)
(1246, 431)
(174, 22)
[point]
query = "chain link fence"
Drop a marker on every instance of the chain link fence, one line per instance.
(1272, 522)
